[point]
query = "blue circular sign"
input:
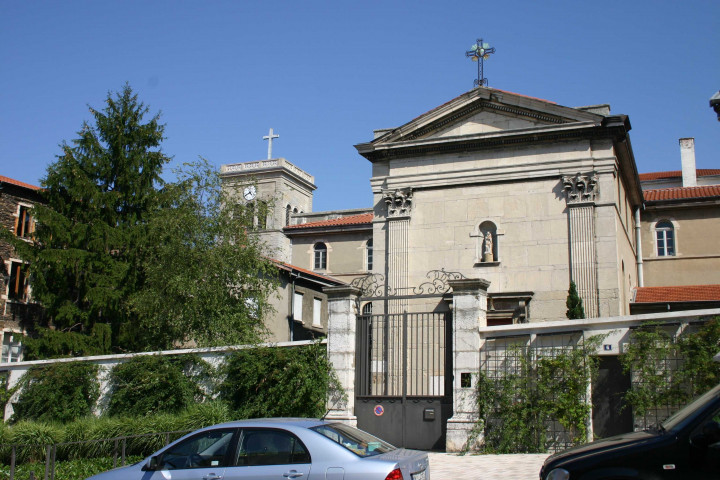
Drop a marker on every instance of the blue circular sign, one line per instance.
(379, 410)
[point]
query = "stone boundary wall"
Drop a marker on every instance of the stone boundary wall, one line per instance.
(558, 334)
(617, 329)
(215, 356)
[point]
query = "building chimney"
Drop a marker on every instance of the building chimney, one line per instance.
(687, 158)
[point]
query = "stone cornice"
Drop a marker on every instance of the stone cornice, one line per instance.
(469, 285)
(506, 173)
(263, 168)
(465, 143)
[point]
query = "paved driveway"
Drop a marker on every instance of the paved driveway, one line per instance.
(448, 466)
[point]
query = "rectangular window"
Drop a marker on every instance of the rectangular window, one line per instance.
(369, 255)
(297, 306)
(11, 348)
(17, 285)
(24, 227)
(317, 310)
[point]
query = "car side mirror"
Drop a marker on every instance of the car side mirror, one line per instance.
(153, 464)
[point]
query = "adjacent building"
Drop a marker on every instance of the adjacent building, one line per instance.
(17, 309)
(680, 227)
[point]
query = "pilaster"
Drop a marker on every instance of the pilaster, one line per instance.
(581, 191)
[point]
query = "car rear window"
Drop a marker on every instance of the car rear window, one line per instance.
(360, 443)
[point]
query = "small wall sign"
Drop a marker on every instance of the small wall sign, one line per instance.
(379, 410)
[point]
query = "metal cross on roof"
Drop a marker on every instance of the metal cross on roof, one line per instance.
(269, 137)
(478, 53)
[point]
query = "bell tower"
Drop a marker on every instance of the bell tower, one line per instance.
(277, 187)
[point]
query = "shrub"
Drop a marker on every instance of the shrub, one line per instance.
(59, 392)
(279, 382)
(34, 437)
(67, 470)
(517, 404)
(657, 384)
(151, 384)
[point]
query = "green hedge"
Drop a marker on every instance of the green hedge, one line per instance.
(279, 382)
(58, 392)
(88, 437)
(151, 384)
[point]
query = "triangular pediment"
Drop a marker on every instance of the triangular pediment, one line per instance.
(485, 121)
(485, 111)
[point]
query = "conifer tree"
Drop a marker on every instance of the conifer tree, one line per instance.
(574, 303)
(123, 261)
(97, 194)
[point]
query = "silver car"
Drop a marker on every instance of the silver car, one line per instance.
(278, 448)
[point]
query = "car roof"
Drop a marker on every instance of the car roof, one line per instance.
(275, 422)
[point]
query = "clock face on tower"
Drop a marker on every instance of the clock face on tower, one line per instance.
(249, 192)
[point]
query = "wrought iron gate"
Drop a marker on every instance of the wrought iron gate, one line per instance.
(403, 369)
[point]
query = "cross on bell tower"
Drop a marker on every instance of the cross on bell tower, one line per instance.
(478, 53)
(269, 137)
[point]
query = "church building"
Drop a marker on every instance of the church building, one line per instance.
(522, 192)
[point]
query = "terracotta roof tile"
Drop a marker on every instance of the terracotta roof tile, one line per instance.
(685, 293)
(364, 218)
(681, 193)
(700, 172)
(18, 183)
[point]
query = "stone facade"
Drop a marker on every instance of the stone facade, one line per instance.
(555, 186)
(17, 310)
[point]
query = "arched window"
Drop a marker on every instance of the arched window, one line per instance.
(288, 211)
(367, 309)
(665, 238)
(320, 262)
(262, 214)
(369, 254)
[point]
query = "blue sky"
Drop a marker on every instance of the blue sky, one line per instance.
(325, 74)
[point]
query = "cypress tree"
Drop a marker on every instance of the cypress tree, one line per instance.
(574, 303)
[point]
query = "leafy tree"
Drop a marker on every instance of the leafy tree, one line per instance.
(206, 280)
(574, 303)
(85, 258)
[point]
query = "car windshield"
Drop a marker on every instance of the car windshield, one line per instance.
(357, 441)
(677, 418)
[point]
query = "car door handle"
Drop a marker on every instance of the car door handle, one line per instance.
(293, 474)
(212, 476)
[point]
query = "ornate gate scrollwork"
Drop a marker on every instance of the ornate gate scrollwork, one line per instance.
(373, 285)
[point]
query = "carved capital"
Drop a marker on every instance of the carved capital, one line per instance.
(580, 188)
(399, 202)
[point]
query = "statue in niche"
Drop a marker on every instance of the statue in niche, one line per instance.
(488, 255)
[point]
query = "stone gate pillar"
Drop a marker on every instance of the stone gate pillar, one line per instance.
(469, 306)
(342, 320)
